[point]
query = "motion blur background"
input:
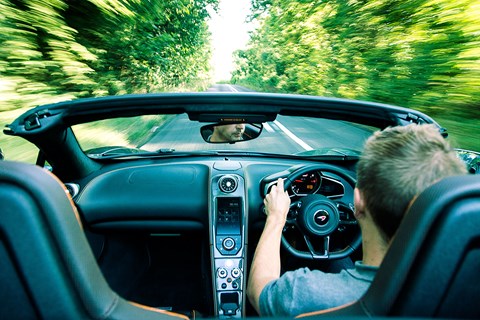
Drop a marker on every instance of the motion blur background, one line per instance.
(421, 54)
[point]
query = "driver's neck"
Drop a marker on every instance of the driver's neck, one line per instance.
(373, 243)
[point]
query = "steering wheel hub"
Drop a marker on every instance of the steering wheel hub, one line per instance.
(318, 215)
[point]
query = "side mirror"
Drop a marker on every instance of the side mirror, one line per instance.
(231, 132)
(471, 159)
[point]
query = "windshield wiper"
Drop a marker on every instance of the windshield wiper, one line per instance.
(331, 157)
(122, 152)
(137, 153)
(164, 150)
(330, 154)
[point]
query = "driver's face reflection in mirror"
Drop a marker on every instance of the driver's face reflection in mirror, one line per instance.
(228, 133)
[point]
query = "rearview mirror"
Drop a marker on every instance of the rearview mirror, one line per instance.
(231, 132)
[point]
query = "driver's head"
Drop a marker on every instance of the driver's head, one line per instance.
(397, 164)
(228, 132)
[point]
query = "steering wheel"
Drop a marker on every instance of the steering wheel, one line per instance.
(317, 216)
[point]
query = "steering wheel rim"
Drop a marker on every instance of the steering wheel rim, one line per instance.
(327, 254)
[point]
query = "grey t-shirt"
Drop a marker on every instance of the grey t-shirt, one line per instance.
(305, 290)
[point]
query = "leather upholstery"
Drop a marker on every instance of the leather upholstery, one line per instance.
(432, 268)
(47, 267)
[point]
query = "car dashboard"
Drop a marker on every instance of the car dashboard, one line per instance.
(212, 203)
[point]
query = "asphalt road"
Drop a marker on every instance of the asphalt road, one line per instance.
(286, 135)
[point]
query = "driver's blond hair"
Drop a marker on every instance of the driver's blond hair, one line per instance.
(397, 164)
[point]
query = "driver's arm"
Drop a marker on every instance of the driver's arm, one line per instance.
(266, 261)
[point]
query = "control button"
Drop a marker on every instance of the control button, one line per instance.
(222, 273)
(228, 243)
(227, 184)
(236, 273)
(235, 285)
(219, 243)
(224, 285)
(229, 280)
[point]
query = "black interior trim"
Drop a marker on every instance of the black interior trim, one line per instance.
(151, 226)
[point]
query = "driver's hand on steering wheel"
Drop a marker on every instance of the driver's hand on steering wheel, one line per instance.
(277, 203)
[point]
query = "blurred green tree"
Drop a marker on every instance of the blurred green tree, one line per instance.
(418, 54)
(63, 49)
(421, 54)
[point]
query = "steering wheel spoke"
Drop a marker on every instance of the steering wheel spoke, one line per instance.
(347, 217)
(293, 213)
(315, 254)
(348, 222)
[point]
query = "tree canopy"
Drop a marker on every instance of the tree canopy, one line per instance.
(422, 54)
(64, 49)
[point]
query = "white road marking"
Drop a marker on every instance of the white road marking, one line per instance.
(267, 127)
(293, 137)
(232, 88)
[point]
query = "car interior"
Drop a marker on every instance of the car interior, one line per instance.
(171, 230)
(142, 142)
(431, 269)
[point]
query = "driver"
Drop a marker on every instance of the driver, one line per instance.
(396, 165)
(227, 133)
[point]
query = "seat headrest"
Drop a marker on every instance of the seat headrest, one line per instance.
(432, 243)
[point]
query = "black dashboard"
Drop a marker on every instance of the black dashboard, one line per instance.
(220, 197)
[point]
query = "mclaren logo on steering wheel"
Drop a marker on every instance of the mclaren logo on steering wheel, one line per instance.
(321, 217)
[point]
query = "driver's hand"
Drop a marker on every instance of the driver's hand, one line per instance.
(277, 203)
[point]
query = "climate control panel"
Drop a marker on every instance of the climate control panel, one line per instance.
(229, 274)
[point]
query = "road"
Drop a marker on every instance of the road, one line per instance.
(285, 135)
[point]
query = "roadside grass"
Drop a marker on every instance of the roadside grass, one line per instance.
(463, 132)
(130, 132)
(16, 148)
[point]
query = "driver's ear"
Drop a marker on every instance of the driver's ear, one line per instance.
(359, 204)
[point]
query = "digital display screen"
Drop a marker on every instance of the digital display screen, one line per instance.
(229, 215)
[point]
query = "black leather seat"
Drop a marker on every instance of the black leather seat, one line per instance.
(47, 268)
(432, 268)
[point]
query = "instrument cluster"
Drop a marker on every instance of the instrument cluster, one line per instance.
(317, 182)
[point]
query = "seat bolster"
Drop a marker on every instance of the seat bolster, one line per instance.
(348, 309)
(127, 310)
(52, 232)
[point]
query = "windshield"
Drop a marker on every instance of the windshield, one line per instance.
(176, 133)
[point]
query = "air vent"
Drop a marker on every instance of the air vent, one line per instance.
(228, 184)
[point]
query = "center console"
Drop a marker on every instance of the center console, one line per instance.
(227, 241)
